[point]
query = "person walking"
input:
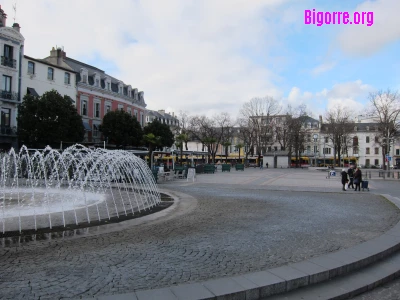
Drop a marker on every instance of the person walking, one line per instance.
(357, 179)
(266, 165)
(344, 179)
(350, 171)
(261, 164)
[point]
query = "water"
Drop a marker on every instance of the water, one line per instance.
(48, 188)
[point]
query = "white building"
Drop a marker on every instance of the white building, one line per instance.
(40, 76)
(11, 45)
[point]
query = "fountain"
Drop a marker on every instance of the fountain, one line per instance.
(49, 188)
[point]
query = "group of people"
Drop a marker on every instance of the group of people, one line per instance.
(351, 178)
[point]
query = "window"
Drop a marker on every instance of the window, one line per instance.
(84, 78)
(67, 78)
(397, 151)
(108, 86)
(120, 90)
(367, 139)
(5, 117)
(95, 130)
(84, 107)
(327, 150)
(31, 68)
(376, 150)
(355, 141)
(367, 163)
(121, 107)
(367, 151)
(355, 150)
(7, 83)
(130, 111)
(136, 113)
(141, 119)
(376, 139)
(107, 108)
(50, 73)
(97, 110)
(376, 162)
(8, 51)
(326, 140)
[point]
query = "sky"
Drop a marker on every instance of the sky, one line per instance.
(206, 57)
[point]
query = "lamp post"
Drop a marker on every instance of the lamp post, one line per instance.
(315, 140)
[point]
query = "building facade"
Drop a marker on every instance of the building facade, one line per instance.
(97, 93)
(40, 76)
(12, 48)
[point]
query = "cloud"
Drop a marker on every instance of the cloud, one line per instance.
(366, 40)
(351, 95)
(323, 68)
(189, 55)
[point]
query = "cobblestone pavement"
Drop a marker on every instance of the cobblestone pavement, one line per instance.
(234, 229)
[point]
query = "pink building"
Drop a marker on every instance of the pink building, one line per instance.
(98, 93)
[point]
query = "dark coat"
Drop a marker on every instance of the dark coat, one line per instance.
(358, 176)
(344, 177)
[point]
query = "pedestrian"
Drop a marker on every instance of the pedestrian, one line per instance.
(261, 164)
(344, 179)
(350, 171)
(357, 179)
(266, 165)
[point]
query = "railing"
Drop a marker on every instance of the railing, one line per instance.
(7, 130)
(9, 95)
(8, 62)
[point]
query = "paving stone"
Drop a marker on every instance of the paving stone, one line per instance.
(192, 292)
(156, 294)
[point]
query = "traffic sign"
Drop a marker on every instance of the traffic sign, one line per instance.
(389, 158)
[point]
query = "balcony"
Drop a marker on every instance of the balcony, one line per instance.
(7, 130)
(8, 62)
(6, 95)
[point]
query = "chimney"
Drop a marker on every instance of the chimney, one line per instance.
(16, 27)
(173, 114)
(3, 18)
(320, 119)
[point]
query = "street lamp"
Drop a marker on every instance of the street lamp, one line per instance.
(315, 136)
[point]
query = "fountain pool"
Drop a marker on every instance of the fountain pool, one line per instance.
(43, 189)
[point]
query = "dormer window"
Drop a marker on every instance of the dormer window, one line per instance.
(84, 75)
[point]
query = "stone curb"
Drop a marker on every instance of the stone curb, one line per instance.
(286, 278)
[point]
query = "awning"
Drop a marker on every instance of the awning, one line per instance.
(31, 91)
(87, 127)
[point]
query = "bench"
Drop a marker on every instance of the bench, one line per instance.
(209, 169)
(226, 167)
(180, 172)
(239, 167)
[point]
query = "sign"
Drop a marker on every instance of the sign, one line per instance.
(191, 174)
(389, 158)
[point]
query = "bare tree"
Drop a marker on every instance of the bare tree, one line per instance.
(211, 132)
(260, 113)
(246, 134)
(385, 110)
(294, 132)
(183, 129)
(339, 125)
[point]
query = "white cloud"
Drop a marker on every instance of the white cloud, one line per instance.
(184, 55)
(323, 68)
(352, 95)
(367, 40)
